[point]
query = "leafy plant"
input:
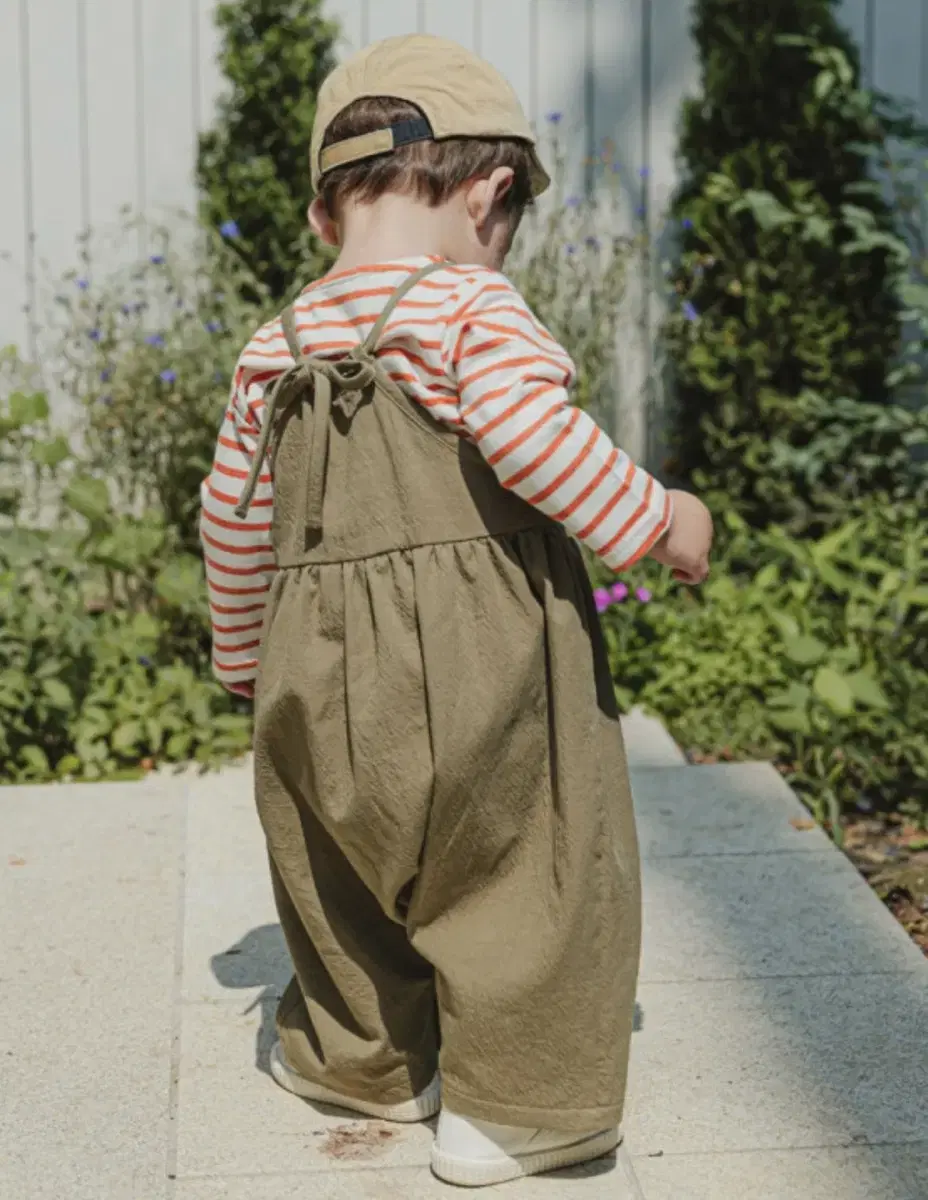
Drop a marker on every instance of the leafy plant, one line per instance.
(789, 280)
(253, 167)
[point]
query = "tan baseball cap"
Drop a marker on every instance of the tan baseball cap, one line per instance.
(459, 94)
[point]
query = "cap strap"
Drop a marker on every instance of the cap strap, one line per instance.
(379, 141)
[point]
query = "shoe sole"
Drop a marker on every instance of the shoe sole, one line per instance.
(408, 1112)
(466, 1172)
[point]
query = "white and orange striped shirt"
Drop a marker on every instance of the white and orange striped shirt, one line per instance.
(465, 345)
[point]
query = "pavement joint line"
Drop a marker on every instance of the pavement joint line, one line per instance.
(177, 1006)
(893, 972)
(804, 1149)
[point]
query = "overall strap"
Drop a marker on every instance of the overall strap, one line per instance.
(272, 399)
(370, 343)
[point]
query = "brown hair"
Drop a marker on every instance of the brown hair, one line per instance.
(432, 170)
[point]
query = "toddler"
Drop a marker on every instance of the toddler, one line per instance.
(390, 529)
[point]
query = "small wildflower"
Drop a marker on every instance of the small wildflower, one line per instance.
(643, 595)
(644, 172)
(570, 250)
(690, 311)
(592, 242)
(107, 400)
(687, 223)
(127, 310)
(157, 260)
(603, 599)
(619, 592)
(218, 377)
(106, 375)
(168, 376)
(83, 284)
(573, 202)
(554, 118)
(213, 326)
(230, 229)
(641, 211)
(155, 339)
(95, 335)
(145, 661)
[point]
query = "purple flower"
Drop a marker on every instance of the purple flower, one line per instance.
(107, 400)
(95, 335)
(213, 326)
(643, 595)
(573, 202)
(83, 284)
(603, 599)
(127, 310)
(690, 311)
(157, 260)
(593, 242)
(570, 250)
(106, 376)
(641, 211)
(155, 339)
(169, 376)
(145, 661)
(230, 229)
(619, 592)
(644, 172)
(554, 118)
(687, 223)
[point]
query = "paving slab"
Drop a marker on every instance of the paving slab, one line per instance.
(89, 889)
(733, 916)
(763, 1064)
(733, 808)
(648, 745)
(833, 1173)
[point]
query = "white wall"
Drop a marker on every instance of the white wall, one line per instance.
(101, 100)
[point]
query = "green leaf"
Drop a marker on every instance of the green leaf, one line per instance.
(834, 690)
(58, 694)
(824, 83)
(126, 737)
(28, 408)
(181, 583)
(804, 649)
(51, 453)
(88, 497)
(867, 690)
(35, 760)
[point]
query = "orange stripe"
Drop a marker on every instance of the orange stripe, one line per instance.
(590, 487)
(243, 571)
(234, 610)
(219, 648)
(501, 288)
(607, 508)
(226, 591)
(570, 469)
(648, 545)
(237, 526)
(507, 364)
(507, 413)
(226, 629)
(516, 335)
(235, 473)
(232, 501)
(546, 453)
(224, 548)
(251, 665)
(632, 520)
(482, 348)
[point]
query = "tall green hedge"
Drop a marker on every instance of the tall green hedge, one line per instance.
(253, 168)
(787, 318)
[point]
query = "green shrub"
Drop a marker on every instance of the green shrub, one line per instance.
(789, 279)
(253, 168)
(148, 351)
(813, 653)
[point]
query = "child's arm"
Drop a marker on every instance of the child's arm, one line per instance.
(513, 380)
(238, 554)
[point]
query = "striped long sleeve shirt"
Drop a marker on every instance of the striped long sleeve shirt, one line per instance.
(465, 345)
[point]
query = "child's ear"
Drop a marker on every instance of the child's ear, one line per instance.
(321, 223)
(484, 195)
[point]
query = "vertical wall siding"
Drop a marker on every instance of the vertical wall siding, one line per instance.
(101, 101)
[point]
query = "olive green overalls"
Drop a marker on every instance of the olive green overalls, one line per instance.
(439, 768)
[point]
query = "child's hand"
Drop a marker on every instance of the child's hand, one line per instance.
(686, 545)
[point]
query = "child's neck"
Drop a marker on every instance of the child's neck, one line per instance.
(394, 227)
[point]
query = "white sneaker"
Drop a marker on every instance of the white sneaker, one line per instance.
(407, 1112)
(473, 1153)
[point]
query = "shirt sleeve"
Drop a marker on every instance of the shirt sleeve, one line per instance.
(513, 380)
(238, 553)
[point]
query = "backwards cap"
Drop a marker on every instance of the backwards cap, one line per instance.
(459, 94)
